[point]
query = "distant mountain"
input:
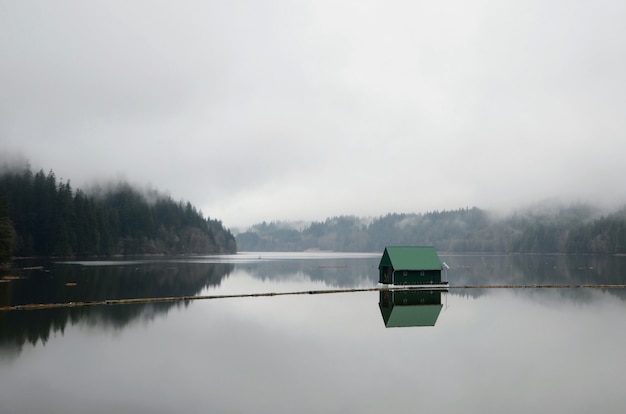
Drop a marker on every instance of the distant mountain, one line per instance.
(577, 228)
(40, 216)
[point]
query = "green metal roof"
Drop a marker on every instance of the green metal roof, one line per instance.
(411, 258)
(418, 315)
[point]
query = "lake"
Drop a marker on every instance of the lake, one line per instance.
(471, 350)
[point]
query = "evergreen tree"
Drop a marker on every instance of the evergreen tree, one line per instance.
(7, 233)
(51, 219)
(573, 229)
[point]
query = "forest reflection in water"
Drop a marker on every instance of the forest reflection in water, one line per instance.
(486, 349)
(85, 281)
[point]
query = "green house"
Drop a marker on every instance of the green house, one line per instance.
(402, 308)
(410, 265)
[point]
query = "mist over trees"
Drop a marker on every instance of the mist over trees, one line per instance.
(42, 216)
(578, 228)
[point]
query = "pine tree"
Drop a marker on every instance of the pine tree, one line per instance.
(7, 233)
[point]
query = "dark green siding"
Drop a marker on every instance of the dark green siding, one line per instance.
(410, 308)
(410, 265)
(416, 277)
(417, 297)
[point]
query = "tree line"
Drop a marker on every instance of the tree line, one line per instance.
(574, 229)
(42, 216)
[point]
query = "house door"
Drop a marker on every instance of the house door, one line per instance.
(385, 275)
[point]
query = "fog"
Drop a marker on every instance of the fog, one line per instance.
(257, 110)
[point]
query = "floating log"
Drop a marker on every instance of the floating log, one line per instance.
(134, 301)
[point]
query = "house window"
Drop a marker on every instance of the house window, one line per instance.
(422, 273)
(405, 273)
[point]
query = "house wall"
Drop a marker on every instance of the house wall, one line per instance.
(416, 277)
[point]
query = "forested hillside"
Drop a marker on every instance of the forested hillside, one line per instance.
(41, 216)
(7, 234)
(572, 229)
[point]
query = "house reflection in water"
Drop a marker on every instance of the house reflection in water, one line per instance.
(402, 308)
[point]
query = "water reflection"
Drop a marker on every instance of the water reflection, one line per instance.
(64, 283)
(491, 350)
(67, 283)
(252, 273)
(404, 308)
(535, 269)
(331, 353)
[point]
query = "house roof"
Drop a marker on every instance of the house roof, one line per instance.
(417, 315)
(411, 258)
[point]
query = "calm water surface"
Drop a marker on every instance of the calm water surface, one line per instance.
(490, 350)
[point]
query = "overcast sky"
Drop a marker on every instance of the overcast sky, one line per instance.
(267, 110)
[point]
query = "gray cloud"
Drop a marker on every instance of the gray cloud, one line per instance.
(279, 110)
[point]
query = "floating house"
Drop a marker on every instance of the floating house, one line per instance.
(404, 308)
(410, 265)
